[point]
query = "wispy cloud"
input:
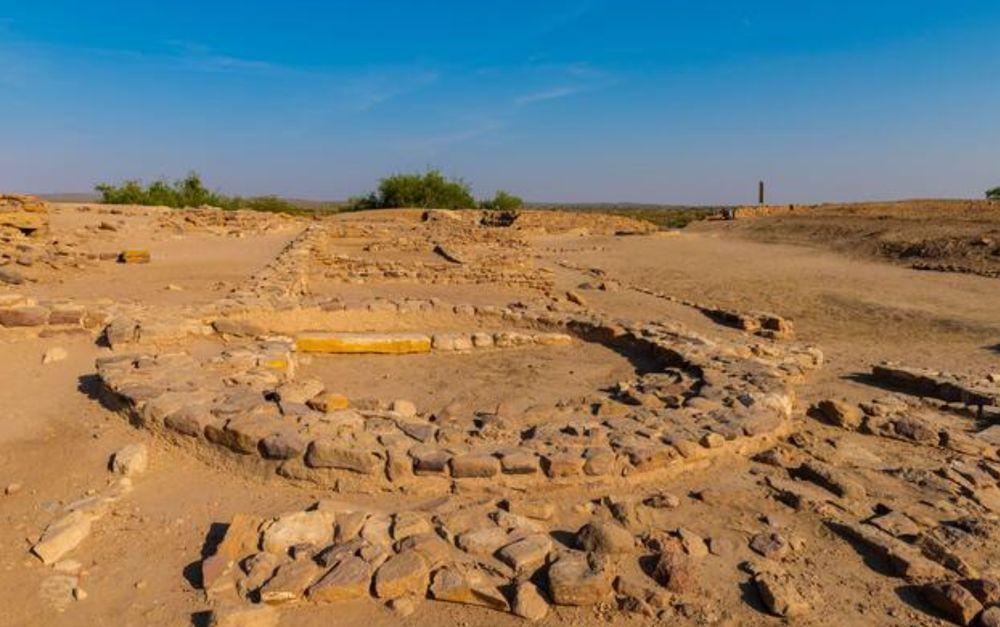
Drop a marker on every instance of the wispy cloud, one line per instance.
(430, 144)
(548, 94)
(563, 80)
(202, 58)
(367, 90)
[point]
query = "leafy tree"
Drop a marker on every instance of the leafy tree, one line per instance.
(993, 194)
(503, 201)
(430, 190)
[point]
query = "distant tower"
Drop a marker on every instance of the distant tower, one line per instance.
(760, 192)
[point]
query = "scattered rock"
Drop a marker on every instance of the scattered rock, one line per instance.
(604, 537)
(838, 414)
(673, 570)
(577, 579)
(780, 595)
(131, 460)
(63, 536)
(953, 600)
(244, 616)
(771, 545)
(54, 354)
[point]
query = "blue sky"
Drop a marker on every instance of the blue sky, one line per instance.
(675, 101)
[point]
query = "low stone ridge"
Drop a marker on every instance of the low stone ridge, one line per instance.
(947, 387)
(707, 398)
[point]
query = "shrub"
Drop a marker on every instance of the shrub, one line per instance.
(187, 192)
(430, 190)
(993, 194)
(503, 201)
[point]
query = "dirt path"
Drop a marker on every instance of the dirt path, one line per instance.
(859, 312)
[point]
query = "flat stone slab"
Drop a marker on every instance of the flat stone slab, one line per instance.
(380, 343)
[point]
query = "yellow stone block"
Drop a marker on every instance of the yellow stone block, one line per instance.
(278, 364)
(134, 256)
(382, 343)
(329, 402)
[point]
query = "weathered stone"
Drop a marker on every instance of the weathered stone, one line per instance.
(191, 421)
(780, 595)
(578, 580)
(674, 571)
(990, 617)
(429, 460)
(290, 582)
(284, 444)
(309, 527)
(562, 465)
(349, 579)
(483, 541)
(482, 340)
(599, 462)
(526, 554)
(771, 545)
(692, 543)
(528, 602)
(11, 277)
(896, 523)
(474, 465)
(328, 402)
(241, 538)
(349, 525)
(241, 434)
(838, 414)
(428, 545)
(237, 328)
(299, 391)
(62, 536)
(832, 479)
(519, 463)
(604, 537)
(404, 408)
(245, 616)
(531, 508)
(131, 460)
(401, 575)
(467, 587)
(953, 600)
(406, 524)
(54, 354)
(712, 440)
(331, 454)
(905, 559)
(986, 591)
(24, 316)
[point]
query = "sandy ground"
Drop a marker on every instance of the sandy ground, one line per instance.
(56, 436)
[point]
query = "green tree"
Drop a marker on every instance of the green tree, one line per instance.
(993, 194)
(430, 190)
(503, 201)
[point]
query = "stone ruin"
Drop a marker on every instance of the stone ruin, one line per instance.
(243, 402)
(465, 507)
